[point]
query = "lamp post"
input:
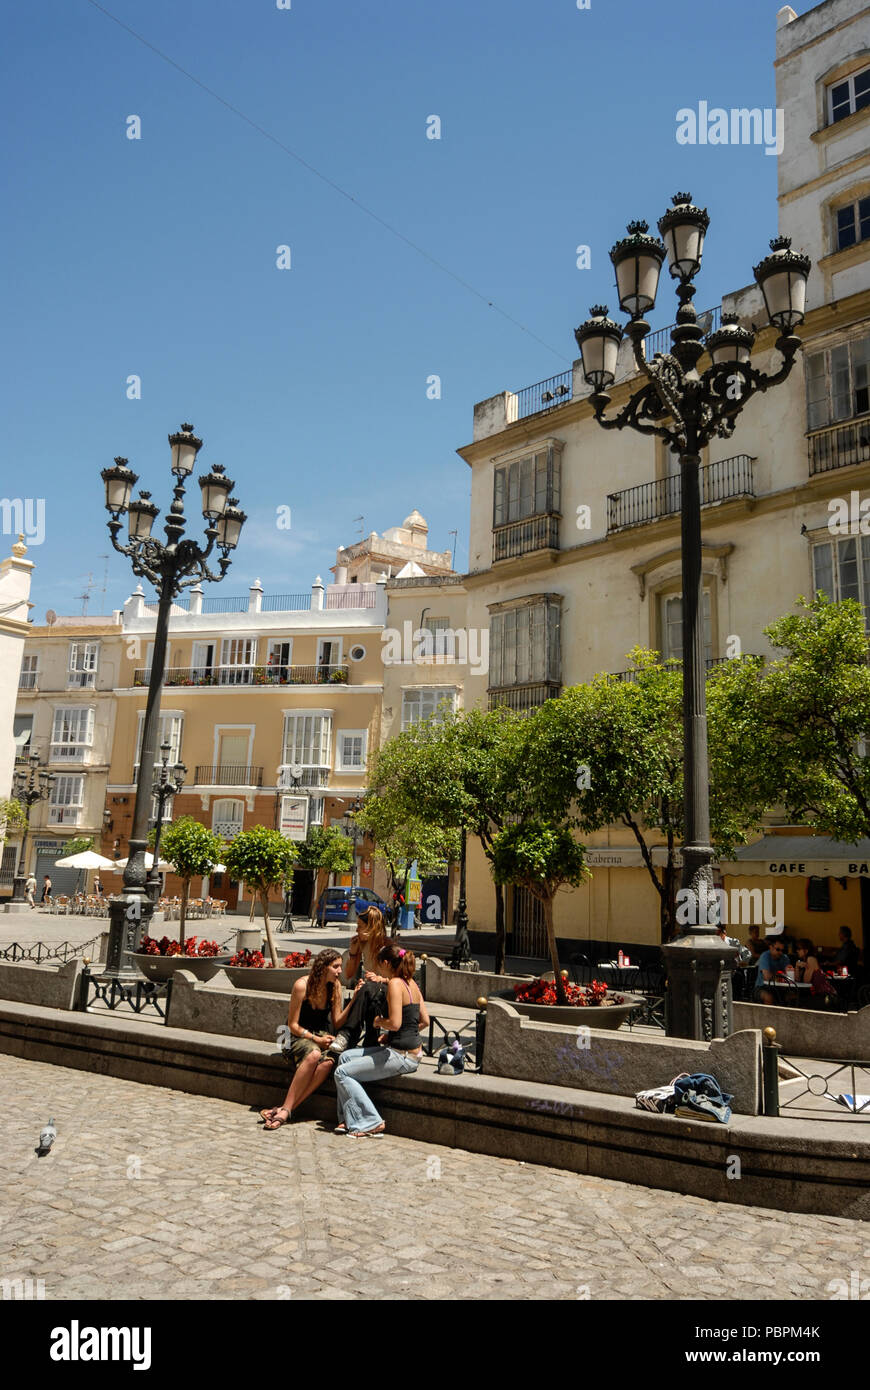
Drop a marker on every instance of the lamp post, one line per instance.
(351, 830)
(462, 945)
(293, 775)
(686, 407)
(164, 788)
(173, 565)
(29, 787)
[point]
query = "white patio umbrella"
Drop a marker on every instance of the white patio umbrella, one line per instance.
(87, 859)
(149, 862)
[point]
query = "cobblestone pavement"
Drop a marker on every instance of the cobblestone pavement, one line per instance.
(151, 1193)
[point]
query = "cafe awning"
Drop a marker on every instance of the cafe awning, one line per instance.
(800, 856)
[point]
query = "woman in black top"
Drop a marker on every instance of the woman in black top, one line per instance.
(314, 1018)
(398, 1054)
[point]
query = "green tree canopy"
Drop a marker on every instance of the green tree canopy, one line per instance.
(326, 850)
(263, 859)
(449, 773)
(192, 850)
(615, 747)
(814, 701)
(541, 857)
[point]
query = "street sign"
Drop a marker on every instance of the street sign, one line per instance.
(293, 817)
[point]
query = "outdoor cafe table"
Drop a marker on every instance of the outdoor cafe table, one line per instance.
(616, 975)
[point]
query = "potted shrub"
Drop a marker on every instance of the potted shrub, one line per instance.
(602, 1008)
(263, 859)
(251, 970)
(159, 959)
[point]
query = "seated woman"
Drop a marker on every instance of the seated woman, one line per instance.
(314, 1017)
(398, 1054)
(371, 1000)
(807, 963)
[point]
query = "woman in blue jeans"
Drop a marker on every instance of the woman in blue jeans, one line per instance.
(399, 1053)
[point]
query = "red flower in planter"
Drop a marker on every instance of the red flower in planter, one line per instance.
(296, 958)
(582, 997)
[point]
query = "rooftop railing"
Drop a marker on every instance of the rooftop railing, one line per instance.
(544, 395)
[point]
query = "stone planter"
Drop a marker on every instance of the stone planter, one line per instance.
(589, 1016)
(163, 967)
(280, 981)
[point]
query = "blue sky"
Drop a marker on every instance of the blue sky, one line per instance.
(157, 257)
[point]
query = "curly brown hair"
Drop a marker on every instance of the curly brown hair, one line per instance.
(317, 986)
(371, 919)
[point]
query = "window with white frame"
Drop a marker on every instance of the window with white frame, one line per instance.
(72, 733)
(841, 569)
(838, 383)
(439, 638)
(351, 750)
(167, 811)
(852, 223)
(238, 656)
(671, 627)
(422, 703)
(848, 95)
(526, 487)
(29, 672)
(307, 743)
(227, 817)
(84, 659)
(170, 731)
(524, 645)
(66, 800)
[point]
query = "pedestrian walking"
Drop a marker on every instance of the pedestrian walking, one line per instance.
(46, 890)
(30, 889)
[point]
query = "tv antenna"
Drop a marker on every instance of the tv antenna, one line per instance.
(361, 520)
(453, 561)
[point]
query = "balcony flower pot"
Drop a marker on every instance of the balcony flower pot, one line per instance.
(159, 960)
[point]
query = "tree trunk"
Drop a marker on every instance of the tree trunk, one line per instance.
(668, 901)
(264, 899)
(561, 997)
(182, 910)
(499, 929)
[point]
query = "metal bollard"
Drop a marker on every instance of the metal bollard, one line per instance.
(770, 1051)
(480, 1032)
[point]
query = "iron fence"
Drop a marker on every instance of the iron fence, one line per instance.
(139, 995)
(39, 951)
(840, 446)
(286, 603)
(819, 1096)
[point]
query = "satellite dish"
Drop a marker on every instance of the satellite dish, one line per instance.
(51, 617)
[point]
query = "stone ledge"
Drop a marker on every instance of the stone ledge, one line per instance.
(808, 1166)
(51, 984)
(810, 1032)
(617, 1062)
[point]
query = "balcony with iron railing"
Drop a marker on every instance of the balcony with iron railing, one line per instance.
(525, 537)
(542, 396)
(27, 680)
(264, 677)
(524, 697)
(228, 775)
(712, 663)
(721, 481)
(839, 446)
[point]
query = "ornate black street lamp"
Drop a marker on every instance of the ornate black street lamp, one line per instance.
(351, 830)
(166, 785)
(462, 944)
(29, 785)
(687, 408)
(171, 566)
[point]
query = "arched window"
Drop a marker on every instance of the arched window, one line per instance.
(227, 817)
